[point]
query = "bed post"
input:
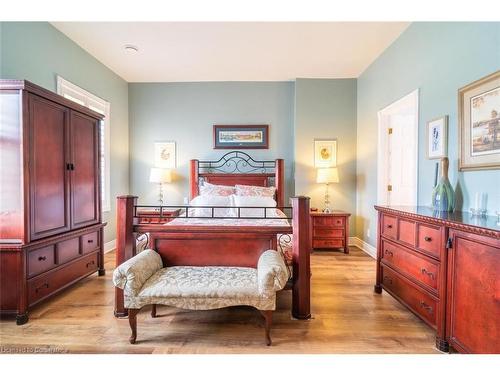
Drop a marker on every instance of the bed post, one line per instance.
(280, 182)
(301, 293)
(194, 179)
(125, 241)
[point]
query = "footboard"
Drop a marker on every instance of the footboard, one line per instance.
(212, 245)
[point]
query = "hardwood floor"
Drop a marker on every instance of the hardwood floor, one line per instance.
(347, 318)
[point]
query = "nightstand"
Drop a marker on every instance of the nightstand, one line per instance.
(152, 216)
(330, 230)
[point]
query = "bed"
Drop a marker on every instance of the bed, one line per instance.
(213, 235)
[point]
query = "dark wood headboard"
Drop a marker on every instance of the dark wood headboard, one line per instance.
(237, 167)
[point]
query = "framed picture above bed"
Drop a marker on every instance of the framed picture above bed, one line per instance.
(479, 124)
(241, 136)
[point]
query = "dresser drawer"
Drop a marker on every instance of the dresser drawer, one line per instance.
(389, 226)
(429, 239)
(324, 243)
(68, 250)
(413, 265)
(90, 242)
(415, 298)
(49, 283)
(406, 231)
(41, 260)
(328, 232)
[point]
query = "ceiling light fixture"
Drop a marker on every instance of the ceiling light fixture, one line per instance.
(131, 48)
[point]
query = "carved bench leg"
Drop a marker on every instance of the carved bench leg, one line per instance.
(153, 311)
(268, 316)
(132, 321)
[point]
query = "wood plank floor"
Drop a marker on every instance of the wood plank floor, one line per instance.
(347, 318)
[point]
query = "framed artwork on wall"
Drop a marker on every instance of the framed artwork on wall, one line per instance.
(241, 136)
(437, 138)
(165, 155)
(325, 153)
(479, 124)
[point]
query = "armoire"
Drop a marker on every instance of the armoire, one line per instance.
(51, 233)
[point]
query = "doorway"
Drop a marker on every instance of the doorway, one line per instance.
(398, 152)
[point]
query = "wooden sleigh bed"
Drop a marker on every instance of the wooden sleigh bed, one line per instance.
(233, 244)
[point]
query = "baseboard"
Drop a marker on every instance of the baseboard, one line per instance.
(365, 246)
(109, 246)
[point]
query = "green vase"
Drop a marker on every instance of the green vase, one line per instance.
(443, 196)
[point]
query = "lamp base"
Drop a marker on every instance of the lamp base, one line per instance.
(327, 210)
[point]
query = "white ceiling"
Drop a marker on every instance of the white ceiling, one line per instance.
(234, 51)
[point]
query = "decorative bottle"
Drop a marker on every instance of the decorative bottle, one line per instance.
(443, 196)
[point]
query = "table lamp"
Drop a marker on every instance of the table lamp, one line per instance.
(160, 176)
(327, 176)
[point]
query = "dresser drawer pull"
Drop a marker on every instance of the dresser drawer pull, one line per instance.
(388, 279)
(388, 252)
(425, 272)
(90, 264)
(426, 307)
(90, 241)
(43, 286)
(389, 226)
(427, 239)
(42, 258)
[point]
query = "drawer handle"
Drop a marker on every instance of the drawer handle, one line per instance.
(425, 272)
(43, 286)
(388, 279)
(90, 241)
(42, 258)
(426, 307)
(427, 239)
(388, 252)
(90, 264)
(389, 226)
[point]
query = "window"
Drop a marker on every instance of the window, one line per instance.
(85, 98)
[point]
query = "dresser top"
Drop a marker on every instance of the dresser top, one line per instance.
(457, 219)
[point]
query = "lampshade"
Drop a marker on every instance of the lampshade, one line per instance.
(327, 175)
(160, 175)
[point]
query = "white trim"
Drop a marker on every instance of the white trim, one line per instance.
(109, 246)
(362, 245)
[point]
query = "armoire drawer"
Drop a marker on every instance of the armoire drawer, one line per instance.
(41, 260)
(90, 242)
(415, 298)
(68, 250)
(413, 265)
(49, 283)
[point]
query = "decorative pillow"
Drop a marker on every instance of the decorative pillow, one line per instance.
(211, 201)
(252, 201)
(211, 189)
(255, 191)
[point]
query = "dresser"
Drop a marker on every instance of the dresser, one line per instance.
(51, 233)
(330, 230)
(445, 268)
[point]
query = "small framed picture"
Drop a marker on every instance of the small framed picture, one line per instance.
(165, 155)
(437, 138)
(241, 136)
(325, 153)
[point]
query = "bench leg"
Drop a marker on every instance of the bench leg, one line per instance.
(132, 321)
(153, 311)
(268, 316)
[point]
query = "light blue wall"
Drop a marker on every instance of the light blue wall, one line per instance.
(326, 108)
(186, 112)
(438, 59)
(38, 52)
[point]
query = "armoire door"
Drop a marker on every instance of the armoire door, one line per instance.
(48, 168)
(85, 195)
(473, 306)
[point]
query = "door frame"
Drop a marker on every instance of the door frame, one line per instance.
(382, 154)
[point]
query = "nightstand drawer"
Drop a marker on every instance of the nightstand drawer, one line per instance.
(330, 221)
(328, 232)
(325, 243)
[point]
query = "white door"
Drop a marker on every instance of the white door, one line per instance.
(398, 152)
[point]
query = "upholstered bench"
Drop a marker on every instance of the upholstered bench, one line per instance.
(145, 281)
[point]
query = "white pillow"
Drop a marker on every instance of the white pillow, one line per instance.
(210, 201)
(252, 201)
(221, 190)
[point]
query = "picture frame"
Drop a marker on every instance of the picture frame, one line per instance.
(479, 124)
(437, 138)
(325, 153)
(241, 136)
(165, 155)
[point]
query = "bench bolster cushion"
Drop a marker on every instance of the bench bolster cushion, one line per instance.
(272, 274)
